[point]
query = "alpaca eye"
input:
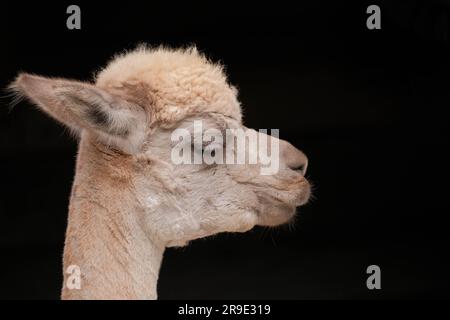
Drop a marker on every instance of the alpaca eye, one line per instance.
(211, 151)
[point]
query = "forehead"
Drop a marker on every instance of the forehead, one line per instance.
(173, 84)
(208, 121)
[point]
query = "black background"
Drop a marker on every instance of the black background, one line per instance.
(370, 108)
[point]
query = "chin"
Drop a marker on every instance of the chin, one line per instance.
(276, 214)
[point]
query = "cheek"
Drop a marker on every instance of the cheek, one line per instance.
(179, 227)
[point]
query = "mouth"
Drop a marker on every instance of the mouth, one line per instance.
(278, 208)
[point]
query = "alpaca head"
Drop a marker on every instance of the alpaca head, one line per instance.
(131, 113)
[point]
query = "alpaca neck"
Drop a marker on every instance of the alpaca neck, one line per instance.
(116, 257)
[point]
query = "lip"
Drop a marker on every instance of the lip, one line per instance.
(304, 196)
(279, 207)
(295, 198)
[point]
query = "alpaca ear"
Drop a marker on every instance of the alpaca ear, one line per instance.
(80, 105)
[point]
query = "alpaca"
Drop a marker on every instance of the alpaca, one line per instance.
(129, 202)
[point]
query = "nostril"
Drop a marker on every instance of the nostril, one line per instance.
(301, 168)
(294, 158)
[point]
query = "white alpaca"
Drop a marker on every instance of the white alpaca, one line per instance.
(129, 201)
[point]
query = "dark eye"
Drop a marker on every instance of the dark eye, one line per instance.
(212, 152)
